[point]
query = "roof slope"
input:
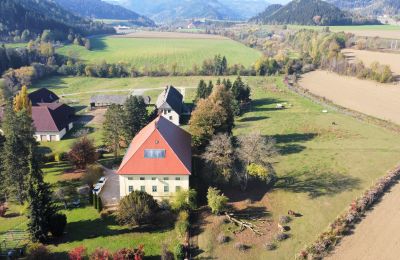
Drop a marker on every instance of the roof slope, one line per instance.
(43, 95)
(170, 98)
(159, 134)
(51, 117)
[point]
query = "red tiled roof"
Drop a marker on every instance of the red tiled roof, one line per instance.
(159, 134)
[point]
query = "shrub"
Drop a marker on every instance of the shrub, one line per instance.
(166, 254)
(182, 224)
(136, 209)
(221, 239)
(82, 153)
(100, 254)
(180, 252)
(184, 200)
(37, 251)
(281, 236)
(78, 253)
(270, 246)
(3, 210)
(240, 246)
(216, 202)
(57, 224)
(124, 254)
(165, 205)
(284, 220)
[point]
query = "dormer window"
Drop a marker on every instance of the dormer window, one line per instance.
(154, 153)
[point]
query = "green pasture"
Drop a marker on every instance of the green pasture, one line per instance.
(152, 52)
(385, 27)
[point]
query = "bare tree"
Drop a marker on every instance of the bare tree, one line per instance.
(255, 149)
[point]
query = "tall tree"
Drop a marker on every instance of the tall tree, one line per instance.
(41, 207)
(240, 91)
(136, 116)
(113, 128)
(18, 132)
(201, 90)
(22, 101)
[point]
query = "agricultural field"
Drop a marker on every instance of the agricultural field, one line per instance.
(368, 57)
(368, 97)
(152, 50)
(383, 31)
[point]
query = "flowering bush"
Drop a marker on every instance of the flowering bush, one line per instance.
(78, 253)
(100, 254)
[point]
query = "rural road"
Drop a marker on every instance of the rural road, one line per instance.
(135, 92)
(368, 97)
(377, 236)
(110, 192)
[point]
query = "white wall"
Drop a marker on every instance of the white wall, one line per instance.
(134, 180)
(171, 115)
(58, 136)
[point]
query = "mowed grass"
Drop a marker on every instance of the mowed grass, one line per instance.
(327, 160)
(80, 89)
(153, 52)
(86, 227)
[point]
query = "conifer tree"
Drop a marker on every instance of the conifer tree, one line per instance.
(113, 126)
(41, 207)
(201, 90)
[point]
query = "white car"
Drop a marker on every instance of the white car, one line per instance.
(97, 188)
(102, 180)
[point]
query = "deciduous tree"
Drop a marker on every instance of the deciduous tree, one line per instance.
(82, 153)
(216, 201)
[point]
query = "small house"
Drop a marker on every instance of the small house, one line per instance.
(170, 105)
(103, 101)
(158, 161)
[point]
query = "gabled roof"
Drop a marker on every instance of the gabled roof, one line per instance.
(43, 95)
(51, 117)
(159, 134)
(170, 98)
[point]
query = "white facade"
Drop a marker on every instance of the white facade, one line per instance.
(159, 186)
(171, 115)
(52, 136)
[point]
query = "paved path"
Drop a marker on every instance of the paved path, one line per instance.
(110, 192)
(377, 237)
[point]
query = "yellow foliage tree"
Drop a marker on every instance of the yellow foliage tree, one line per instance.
(21, 101)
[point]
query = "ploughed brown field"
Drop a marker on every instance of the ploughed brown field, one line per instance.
(391, 34)
(368, 57)
(368, 97)
(169, 35)
(376, 236)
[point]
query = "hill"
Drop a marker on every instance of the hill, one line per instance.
(171, 10)
(246, 8)
(310, 12)
(38, 15)
(103, 10)
(369, 7)
(270, 10)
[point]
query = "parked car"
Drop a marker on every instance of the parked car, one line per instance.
(97, 188)
(102, 180)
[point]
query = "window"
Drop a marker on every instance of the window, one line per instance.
(130, 189)
(169, 110)
(178, 188)
(154, 153)
(154, 188)
(165, 112)
(130, 178)
(166, 188)
(177, 178)
(166, 178)
(153, 178)
(170, 117)
(142, 178)
(142, 188)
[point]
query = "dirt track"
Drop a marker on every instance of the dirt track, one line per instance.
(368, 57)
(170, 35)
(368, 97)
(377, 236)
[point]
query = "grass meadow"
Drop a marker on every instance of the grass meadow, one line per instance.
(153, 52)
(327, 160)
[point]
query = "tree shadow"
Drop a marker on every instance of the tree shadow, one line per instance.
(252, 212)
(199, 222)
(316, 184)
(258, 105)
(290, 149)
(295, 137)
(255, 191)
(253, 118)
(98, 44)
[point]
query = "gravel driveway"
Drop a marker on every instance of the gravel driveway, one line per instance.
(110, 192)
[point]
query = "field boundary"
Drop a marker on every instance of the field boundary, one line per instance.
(296, 88)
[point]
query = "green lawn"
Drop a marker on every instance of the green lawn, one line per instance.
(152, 52)
(83, 87)
(323, 166)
